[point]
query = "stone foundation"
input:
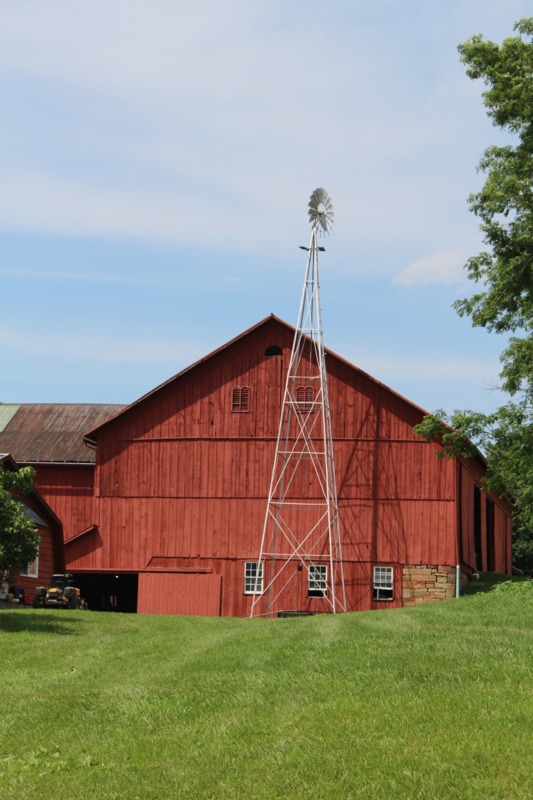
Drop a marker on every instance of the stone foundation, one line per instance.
(426, 583)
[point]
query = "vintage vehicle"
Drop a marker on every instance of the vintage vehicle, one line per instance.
(62, 593)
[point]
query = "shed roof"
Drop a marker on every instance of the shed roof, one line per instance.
(50, 432)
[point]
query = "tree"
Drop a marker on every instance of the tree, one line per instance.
(504, 274)
(506, 439)
(19, 539)
(505, 204)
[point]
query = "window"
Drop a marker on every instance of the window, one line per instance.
(304, 398)
(317, 580)
(240, 399)
(32, 570)
(253, 577)
(383, 578)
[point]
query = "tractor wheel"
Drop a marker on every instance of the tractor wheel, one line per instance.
(37, 602)
(73, 602)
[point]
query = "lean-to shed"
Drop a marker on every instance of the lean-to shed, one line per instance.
(51, 555)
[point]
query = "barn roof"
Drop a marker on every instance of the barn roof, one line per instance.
(92, 434)
(50, 432)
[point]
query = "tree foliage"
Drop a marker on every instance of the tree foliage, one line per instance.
(503, 273)
(19, 539)
(506, 439)
(505, 203)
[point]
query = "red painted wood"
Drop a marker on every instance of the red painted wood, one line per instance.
(69, 491)
(179, 593)
(180, 475)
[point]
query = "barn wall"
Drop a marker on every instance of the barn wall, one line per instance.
(69, 491)
(494, 526)
(196, 594)
(217, 589)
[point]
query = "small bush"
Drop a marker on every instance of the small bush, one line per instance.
(524, 587)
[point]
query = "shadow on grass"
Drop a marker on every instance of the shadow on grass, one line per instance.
(487, 581)
(24, 620)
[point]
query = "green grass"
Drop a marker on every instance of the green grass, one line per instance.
(431, 702)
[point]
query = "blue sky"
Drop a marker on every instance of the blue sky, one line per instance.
(156, 163)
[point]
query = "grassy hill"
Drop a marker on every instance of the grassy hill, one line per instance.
(432, 702)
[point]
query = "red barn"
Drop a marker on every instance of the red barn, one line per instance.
(182, 478)
(51, 555)
(169, 518)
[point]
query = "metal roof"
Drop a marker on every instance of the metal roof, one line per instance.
(50, 432)
(7, 412)
(32, 515)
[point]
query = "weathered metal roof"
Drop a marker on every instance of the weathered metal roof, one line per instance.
(7, 412)
(50, 432)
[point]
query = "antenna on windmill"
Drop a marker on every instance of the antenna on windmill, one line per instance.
(300, 563)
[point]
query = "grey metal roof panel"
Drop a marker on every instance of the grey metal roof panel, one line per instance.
(32, 515)
(7, 412)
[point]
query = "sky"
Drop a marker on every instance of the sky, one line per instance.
(156, 161)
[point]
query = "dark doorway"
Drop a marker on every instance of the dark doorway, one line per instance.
(105, 591)
(477, 527)
(491, 556)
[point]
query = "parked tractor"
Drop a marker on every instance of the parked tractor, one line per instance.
(62, 593)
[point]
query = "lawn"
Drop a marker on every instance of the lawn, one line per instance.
(430, 702)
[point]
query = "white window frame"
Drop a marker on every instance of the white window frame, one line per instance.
(383, 583)
(317, 580)
(253, 582)
(31, 570)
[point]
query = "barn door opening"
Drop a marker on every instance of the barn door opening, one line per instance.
(106, 591)
(477, 528)
(491, 555)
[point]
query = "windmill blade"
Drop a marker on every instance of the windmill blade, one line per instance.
(321, 213)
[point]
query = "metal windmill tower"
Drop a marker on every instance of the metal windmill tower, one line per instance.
(301, 554)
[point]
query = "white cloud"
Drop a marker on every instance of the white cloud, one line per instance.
(213, 122)
(443, 267)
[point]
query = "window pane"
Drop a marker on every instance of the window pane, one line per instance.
(383, 583)
(253, 577)
(317, 580)
(32, 570)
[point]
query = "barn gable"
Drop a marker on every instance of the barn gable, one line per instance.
(254, 360)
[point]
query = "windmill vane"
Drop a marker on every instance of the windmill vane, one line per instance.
(321, 214)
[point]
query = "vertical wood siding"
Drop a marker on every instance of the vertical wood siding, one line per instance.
(182, 476)
(69, 491)
(179, 593)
